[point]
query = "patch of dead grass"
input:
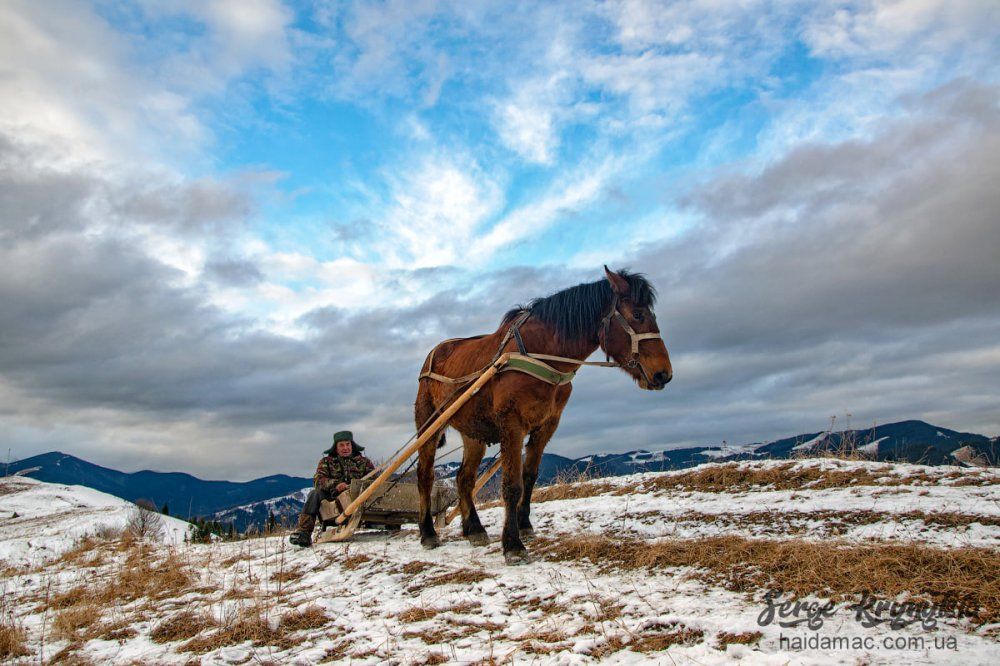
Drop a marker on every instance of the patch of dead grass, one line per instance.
(417, 614)
(419, 566)
(738, 477)
(441, 635)
(351, 562)
(245, 625)
(454, 577)
(726, 638)
(289, 576)
(13, 642)
(832, 522)
(659, 637)
(310, 617)
(69, 624)
(181, 626)
(546, 605)
(965, 576)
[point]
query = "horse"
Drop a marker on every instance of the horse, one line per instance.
(614, 313)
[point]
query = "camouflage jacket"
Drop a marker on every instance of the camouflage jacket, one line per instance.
(334, 469)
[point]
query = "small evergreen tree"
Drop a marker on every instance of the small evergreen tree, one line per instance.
(272, 523)
(165, 510)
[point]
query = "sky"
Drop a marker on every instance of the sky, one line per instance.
(229, 228)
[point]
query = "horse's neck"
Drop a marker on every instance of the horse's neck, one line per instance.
(540, 339)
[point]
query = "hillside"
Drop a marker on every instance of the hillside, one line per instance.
(41, 521)
(666, 568)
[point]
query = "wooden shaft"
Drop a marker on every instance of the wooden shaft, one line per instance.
(487, 475)
(432, 430)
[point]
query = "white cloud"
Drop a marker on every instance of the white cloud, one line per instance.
(875, 29)
(434, 212)
(569, 193)
(526, 125)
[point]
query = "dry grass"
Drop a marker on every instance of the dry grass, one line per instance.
(417, 614)
(544, 642)
(659, 637)
(419, 566)
(965, 576)
(573, 490)
(455, 577)
(738, 477)
(13, 642)
(181, 627)
(289, 576)
(71, 597)
(88, 547)
(726, 638)
(351, 562)
(69, 624)
(441, 635)
(246, 624)
(832, 522)
(545, 605)
(310, 617)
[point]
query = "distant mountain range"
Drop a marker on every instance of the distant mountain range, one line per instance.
(185, 495)
(250, 502)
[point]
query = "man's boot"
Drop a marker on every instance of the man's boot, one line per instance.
(303, 535)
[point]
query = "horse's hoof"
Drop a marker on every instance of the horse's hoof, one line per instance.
(479, 539)
(430, 543)
(515, 557)
(527, 532)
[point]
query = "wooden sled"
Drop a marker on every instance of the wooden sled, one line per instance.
(394, 505)
(368, 501)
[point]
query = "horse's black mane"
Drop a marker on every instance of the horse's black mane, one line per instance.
(576, 311)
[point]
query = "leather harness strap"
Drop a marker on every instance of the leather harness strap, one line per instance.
(534, 364)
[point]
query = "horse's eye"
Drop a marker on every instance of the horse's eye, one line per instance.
(637, 315)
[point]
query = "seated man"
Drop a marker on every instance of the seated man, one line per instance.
(340, 464)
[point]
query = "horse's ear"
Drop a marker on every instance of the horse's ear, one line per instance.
(618, 284)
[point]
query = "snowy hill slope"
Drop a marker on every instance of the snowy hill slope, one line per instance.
(40, 521)
(668, 568)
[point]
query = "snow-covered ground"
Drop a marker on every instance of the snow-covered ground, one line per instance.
(383, 599)
(39, 521)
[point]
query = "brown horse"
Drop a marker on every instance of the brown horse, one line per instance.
(614, 313)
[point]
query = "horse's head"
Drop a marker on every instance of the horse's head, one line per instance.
(630, 336)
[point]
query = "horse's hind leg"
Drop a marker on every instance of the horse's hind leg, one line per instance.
(465, 480)
(423, 409)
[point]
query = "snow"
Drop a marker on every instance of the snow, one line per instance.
(363, 588)
(806, 446)
(725, 452)
(298, 495)
(51, 518)
(873, 446)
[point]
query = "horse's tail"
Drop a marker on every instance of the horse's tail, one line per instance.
(423, 408)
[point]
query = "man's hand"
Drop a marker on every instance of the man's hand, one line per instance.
(341, 487)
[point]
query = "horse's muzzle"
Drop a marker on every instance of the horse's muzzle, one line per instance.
(660, 379)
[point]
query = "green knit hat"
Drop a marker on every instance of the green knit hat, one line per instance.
(343, 436)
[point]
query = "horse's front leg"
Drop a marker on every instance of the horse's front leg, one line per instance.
(511, 441)
(465, 481)
(532, 459)
(539, 438)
